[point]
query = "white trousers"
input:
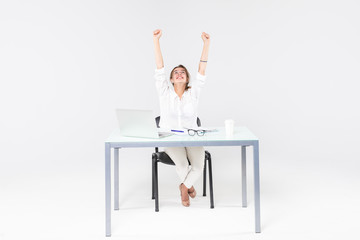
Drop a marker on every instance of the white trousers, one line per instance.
(188, 174)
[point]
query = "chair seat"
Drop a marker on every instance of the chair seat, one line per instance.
(164, 158)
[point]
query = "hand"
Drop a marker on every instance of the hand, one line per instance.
(157, 34)
(205, 37)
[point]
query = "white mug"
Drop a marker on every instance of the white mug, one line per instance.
(229, 127)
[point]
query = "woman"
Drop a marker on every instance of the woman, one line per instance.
(178, 109)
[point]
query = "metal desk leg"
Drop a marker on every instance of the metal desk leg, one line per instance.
(116, 178)
(108, 189)
(257, 187)
(243, 174)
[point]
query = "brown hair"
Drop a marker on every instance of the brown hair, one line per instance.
(187, 75)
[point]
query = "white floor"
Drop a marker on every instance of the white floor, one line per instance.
(300, 199)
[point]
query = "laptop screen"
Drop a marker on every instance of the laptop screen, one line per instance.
(137, 123)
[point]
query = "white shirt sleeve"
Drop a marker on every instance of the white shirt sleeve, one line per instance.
(162, 85)
(197, 85)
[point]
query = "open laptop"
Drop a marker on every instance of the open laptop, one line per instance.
(138, 123)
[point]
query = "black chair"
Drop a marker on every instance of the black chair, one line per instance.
(164, 158)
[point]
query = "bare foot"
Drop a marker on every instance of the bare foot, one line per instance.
(192, 192)
(184, 195)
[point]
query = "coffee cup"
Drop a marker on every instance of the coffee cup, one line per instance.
(229, 127)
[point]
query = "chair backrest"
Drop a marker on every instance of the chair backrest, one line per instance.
(157, 119)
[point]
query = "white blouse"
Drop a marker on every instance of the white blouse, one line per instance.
(176, 112)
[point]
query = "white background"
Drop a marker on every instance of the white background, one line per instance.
(288, 70)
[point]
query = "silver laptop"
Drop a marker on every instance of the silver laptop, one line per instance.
(138, 123)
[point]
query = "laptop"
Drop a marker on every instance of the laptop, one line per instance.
(138, 123)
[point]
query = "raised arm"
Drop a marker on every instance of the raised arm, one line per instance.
(158, 56)
(204, 55)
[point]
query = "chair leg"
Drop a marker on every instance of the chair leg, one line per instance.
(211, 183)
(153, 177)
(156, 183)
(204, 180)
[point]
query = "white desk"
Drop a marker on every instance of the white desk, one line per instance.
(242, 137)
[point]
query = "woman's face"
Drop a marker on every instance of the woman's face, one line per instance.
(179, 76)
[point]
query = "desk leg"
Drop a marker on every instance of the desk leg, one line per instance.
(108, 189)
(116, 178)
(257, 187)
(243, 175)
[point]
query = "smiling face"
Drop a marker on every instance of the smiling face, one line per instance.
(179, 75)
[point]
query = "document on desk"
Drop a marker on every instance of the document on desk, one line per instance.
(207, 129)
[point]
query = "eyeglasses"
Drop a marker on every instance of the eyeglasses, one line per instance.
(192, 132)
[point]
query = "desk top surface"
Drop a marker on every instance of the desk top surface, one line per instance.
(240, 134)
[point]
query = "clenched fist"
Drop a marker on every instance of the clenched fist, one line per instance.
(205, 37)
(157, 33)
